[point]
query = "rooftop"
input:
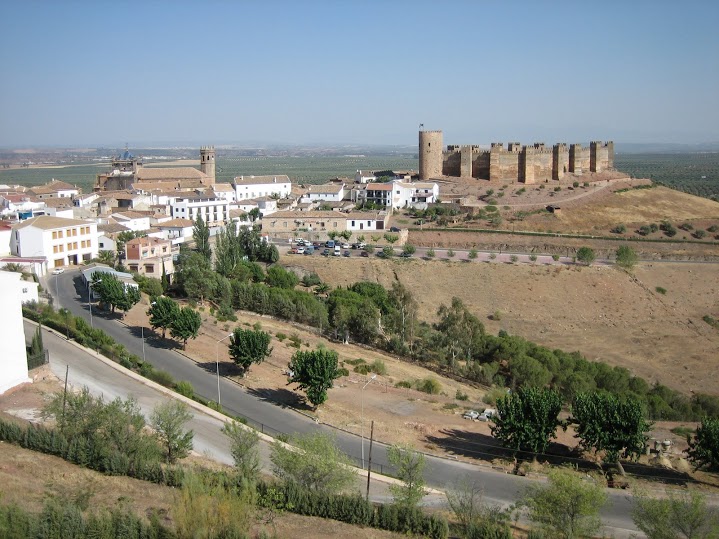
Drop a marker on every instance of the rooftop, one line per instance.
(47, 222)
(169, 174)
(176, 223)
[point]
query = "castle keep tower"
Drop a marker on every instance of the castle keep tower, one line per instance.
(207, 162)
(430, 154)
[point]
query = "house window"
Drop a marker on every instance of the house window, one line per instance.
(334, 224)
(149, 268)
(369, 223)
(59, 234)
(353, 223)
(54, 249)
(54, 234)
(88, 243)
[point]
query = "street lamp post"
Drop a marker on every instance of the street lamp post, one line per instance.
(217, 364)
(89, 303)
(142, 332)
(362, 416)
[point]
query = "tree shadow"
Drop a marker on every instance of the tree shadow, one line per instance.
(281, 397)
(155, 340)
(226, 368)
(487, 448)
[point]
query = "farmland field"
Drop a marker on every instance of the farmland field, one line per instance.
(694, 173)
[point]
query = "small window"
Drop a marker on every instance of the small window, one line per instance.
(24, 290)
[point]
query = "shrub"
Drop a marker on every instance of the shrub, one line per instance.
(686, 226)
(493, 395)
(404, 383)
(712, 228)
(161, 377)
(556, 189)
(699, 234)
(430, 253)
(533, 257)
(461, 396)
(185, 388)
(492, 256)
(661, 290)
(472, 254)
(281, 336)
(362, 369)
(513, 259)
(378, 367)
(575, 184)
(619, 229)
(450, 253)
(295, 340)
(429, 385)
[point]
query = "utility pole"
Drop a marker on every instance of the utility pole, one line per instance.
(64, 396)
(369, 462)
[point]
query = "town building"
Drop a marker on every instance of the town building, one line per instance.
(62, 241)
(55, 189)
(87, 274)
(13, 360)
(278, 186)
(289, 222)
(149, 256)
(330, 192)
(214, 211)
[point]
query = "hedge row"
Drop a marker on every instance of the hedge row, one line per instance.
(89, 452)
(352, 509)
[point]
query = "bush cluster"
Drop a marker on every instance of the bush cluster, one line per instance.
(352, 509)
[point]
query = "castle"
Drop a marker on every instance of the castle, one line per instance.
(525, 164)
(127, 172)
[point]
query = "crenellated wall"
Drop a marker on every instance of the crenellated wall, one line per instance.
(516, 162)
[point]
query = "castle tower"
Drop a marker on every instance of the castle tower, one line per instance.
(207, 162)
(430, 154)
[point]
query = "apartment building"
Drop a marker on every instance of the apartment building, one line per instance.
(62, 241)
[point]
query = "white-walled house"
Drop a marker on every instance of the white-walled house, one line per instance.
(364, 176)
(137, 222)
(13, 360)
(214, 211)
(246, 187)
(322, 221)
(398, 194)
(62, 241)
(266, 205)
(176, 228)
(330, 192)
(55, 189)
(225, 191)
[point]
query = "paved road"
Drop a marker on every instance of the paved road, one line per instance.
(500, 488)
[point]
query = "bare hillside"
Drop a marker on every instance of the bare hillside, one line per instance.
(604, 313)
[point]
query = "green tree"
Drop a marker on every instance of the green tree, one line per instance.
(585, 255)
(405, 312)
(460, 332)
(472, 254)
(409, 249)
(409, 465)
(346, 235)
(430, 253)
(195, 276)
(388, 251)
(168, 421)
(609, 424)
(186, 325)
(626, 257)
(684, 515)
(527, 419)
(332, 235)
(244, 448)
(254, 214)
(314, 372)
(316, 464)
(704, 446)
(279, 277)
(391, 238)
(106, 257)
(165, 279)
(113, 292)
(248, 346)
(163, 312)
(568, 507)
(201, 237)
(476, 518)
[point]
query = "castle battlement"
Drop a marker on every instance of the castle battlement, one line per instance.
(524, 163)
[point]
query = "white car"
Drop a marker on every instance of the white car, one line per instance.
(300, 250)
(345, 245)
(471, 414)
(488, 414)
(58, 271)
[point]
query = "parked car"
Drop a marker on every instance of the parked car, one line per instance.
(300, 241)
(326, 252)
(316, 244)
(58, 271)
(300, 250)
(471, 414)
(381, 254)
(337, 251)
(488, 414)
(345, 245)
(293, 251)
(364, 254)
(310, 249)
(406, 255)
(394, 229)
(361, 245)
(346, 253)
(330, 244)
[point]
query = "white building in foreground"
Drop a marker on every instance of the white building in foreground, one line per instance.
(62, 241)
(13, 360)
(246, 187)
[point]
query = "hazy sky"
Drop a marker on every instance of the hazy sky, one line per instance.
(107, 72)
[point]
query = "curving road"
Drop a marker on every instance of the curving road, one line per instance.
(499, 488)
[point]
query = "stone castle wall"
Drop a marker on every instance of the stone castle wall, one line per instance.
(516, 162)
